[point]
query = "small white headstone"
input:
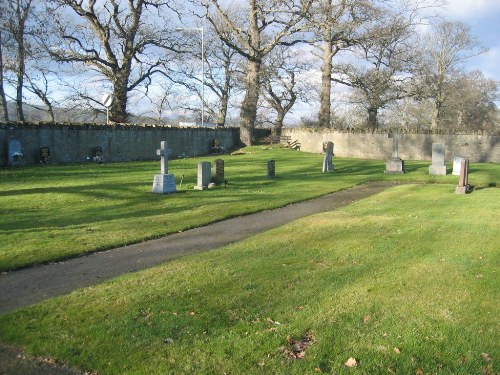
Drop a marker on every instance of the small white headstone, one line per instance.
(457, 163)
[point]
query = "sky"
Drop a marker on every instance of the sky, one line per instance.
(483, 16)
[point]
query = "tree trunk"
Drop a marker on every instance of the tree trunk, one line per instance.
(372, 118)
(118, 110)
(248, 113)
(278, 124)
(437, 114)
(20, 77)
(326, 85)
(3, 101)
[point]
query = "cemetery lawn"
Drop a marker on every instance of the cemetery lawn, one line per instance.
(404, 282)
(50, 213)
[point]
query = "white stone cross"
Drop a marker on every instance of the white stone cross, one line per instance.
(163, 152)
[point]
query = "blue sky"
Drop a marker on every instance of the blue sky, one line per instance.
(483, 16)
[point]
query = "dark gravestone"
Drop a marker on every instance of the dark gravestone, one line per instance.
(45, 155)
(463, 182)
(219, 171)
(271, 169)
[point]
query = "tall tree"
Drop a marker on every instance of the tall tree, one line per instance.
(4, 110)
(268, 23)
(123, 42)
(337, 25)
(445, 48)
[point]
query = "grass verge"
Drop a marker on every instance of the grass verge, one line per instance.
(404, 282)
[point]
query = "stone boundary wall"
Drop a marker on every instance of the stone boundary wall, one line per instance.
(72, 143)
(412, 146)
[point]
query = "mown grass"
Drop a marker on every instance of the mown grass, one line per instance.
(54, 212)
(405, 282)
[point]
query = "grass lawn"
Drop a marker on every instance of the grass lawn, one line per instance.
(404, 282)
(51, 213)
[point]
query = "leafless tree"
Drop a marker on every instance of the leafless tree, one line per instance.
(3, 101)
(124, 42)
(267, 24)
(445, 49)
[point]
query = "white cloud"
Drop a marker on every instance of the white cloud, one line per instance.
(468, 9)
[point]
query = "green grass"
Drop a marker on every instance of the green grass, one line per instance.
(51, 213)
(412, 270)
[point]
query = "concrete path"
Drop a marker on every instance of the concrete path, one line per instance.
(32, 285)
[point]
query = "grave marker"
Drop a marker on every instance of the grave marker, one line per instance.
(396, 164)
(438, 166)
(164, 182)
(457, 162)
(203, 176)
(45, 155)
(219, 171)
(271, 168)
(328, 159)
(463, 182)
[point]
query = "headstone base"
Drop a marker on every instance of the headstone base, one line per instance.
(163, 184)
(462, 189)
(395, 166)
(200, 187)
(437, 169)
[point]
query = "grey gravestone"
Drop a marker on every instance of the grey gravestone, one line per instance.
(396, 164)
(463, 182)
(438, 166)
(164, 182)
(219, 171)
(457, 162)
(327, 160)
(203, 175)
(97, 154)
(14, 150)
(271, 169)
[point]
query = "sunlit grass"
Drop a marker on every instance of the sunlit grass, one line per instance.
(54, 212)
(405, 282)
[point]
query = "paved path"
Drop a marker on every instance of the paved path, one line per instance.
(32, 285)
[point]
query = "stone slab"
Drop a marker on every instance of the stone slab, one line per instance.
(437, 170)
(395, 166)
(163, 184)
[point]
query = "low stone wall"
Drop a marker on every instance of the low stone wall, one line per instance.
(71, 143)
(412, 146)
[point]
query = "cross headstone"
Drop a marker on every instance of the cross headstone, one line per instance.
(327, 160)
(164, 182)
(271, 168)
(457, 163)
(203, 176)
(438, 166)
(463, 182)
(396, 164)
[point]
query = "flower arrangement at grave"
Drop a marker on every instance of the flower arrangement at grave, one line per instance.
(17, 156)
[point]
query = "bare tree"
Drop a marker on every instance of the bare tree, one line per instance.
(281, 85)
(3, 101)
(337, 25)
(267, 24)
(385, 65)
(124, 42)
(445, 49)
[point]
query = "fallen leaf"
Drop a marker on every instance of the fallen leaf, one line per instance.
(486, 357)
(419, 372)
(367, 318)
(351, 362)
(397, 350)
(317, 369)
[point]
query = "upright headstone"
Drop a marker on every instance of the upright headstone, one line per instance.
(219, 171)
(14, 152)
(463, 182)
(164, 182)
(438, 166)
(395, 164)
(97, 154)
(271, 169)
(203, 175)
(457, 163)
(328, 159)
(45, 155)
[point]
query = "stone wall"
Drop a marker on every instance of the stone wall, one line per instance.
(412, 146)
(70, 143)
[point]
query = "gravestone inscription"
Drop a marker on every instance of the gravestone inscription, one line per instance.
(163, 183)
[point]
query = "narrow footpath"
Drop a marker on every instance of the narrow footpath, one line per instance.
(28, 286)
